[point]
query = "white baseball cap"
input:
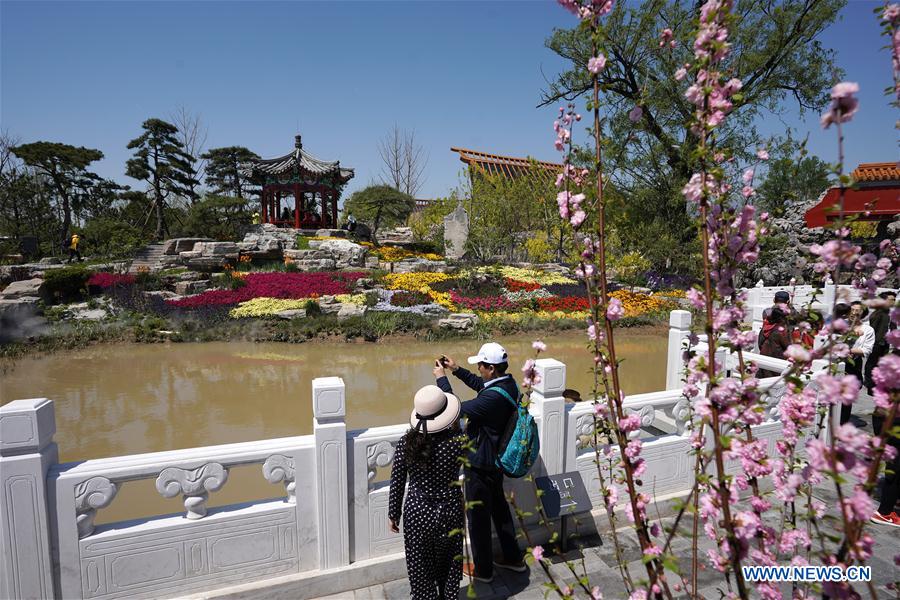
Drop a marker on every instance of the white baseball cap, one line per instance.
(491, 353)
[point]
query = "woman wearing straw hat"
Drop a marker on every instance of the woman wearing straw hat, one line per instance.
(428, 455)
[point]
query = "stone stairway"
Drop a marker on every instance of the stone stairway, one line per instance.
(150, 256)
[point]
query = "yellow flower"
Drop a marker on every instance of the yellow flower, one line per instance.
(528, 275)
(417, 282)
(264, 307)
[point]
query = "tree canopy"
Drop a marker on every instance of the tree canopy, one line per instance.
(380, 205)
(161, 161)
(776, 53)
(65, 167)
(224, 173)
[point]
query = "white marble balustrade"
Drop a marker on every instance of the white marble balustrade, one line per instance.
(333, 510)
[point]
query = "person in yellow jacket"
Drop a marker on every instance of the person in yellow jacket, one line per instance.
(74, 241)
(256, 220)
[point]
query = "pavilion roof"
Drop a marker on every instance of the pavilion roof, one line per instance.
(880, 172)
(300, 160)
(508, 166)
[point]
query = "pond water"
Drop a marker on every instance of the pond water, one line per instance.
(128, 399)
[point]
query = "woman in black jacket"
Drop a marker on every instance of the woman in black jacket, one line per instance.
(428, 456)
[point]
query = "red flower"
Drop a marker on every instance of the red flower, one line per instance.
(105, 281)
(565, 304)
(514, 285)
(276, 285)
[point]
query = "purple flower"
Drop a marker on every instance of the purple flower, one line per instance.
(596, 63)
(636, 113)
(843, 104)
(615, 310)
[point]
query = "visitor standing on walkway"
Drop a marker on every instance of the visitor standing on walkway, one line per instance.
(774, 338)
(428, 456)
(782, 301)
(881, 325)
(861, 339)
(487, 416)
(74, 241)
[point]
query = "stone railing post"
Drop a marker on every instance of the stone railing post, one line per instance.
(829, 292)
(330, 431)
(27, 452)
(679, 330)
(547, 402)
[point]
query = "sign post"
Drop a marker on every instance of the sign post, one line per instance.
(562, 496)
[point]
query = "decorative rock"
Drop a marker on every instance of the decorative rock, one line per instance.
(207, 263)
(350, 310)
(364, 284)
(416, 265)
(435, 310)
(184, 288)
(341, 233)
(345, 252)
(295, 313)
(189, 254)
(21, 289)
(50, 260)
(456, 232)
(323, 264)
(176, 246)
(372, 262)
(161, 294)
(460, 321)
(396, 235)
(216, 248)
(313, 254)
(19, 319)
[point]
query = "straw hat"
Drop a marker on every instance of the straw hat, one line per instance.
(435, 410)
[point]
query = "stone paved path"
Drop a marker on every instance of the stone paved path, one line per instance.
(600, 563)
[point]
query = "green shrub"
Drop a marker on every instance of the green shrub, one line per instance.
(312, 308)
(148, 281)
(66, 284)
(302, 243)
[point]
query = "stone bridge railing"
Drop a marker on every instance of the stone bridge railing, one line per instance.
(332, 511)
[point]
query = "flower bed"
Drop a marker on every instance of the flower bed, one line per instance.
(639, 304)
(514, 285)
(104, 281)
(566, 304)
(275, 285)
(407, 299)
(527, 275)
(488, 303)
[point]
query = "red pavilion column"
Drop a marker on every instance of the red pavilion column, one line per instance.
(324, 205)
(265, 210)
(334, 199)
(296, 206)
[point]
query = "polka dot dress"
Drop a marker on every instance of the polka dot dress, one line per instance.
(433, 509)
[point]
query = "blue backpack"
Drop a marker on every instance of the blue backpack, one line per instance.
(519, 444)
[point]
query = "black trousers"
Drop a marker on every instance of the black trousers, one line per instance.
(890, 485)
(851, 367)
(486, 487)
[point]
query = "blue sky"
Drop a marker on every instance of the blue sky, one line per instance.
(460, 73)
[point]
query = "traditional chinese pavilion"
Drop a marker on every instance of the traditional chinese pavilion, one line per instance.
(314, 184)
(875, 196)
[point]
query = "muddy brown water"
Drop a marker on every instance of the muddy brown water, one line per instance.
(128, 399)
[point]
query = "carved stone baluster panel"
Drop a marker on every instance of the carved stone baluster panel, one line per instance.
(680, 413)
(195, 484)
(281, 468)
(584, 430)
(773, 400)
(91, 495)
(378, 455)
(647, 415)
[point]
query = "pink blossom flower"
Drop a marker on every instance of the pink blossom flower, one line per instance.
(891, 13)
(615, 310)
(653, 550)
(748, 176)
(886, 374)
(636, 113)
(577, 218)
(538, 553)
(596, 594)
(843, 104)
(797, 353)
(596, 63)
(747, 191)
(539, 346)
(666, 38)
(680, 73)
(762, 154)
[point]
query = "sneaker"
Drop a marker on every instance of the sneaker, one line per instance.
(518, 567)
(892, 519)
(469, 570)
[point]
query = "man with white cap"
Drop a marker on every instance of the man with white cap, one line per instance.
(486, 418)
